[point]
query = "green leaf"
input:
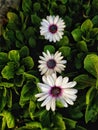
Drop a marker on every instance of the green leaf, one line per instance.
(65, 50)
(8, 71)
(32, 107)
(31, 77)
(84, 81)
(79, 60)
(19, 79)
(91, 64)
(64, 1)
(34, 125)
(3, 99)
(3, 59)
(76, 113)
(95, 21)
(25, 128)
(26, 93)
(3, 123)
(28, 62)
(9, 99)
(45, 118)
(9, 119)
(59, 122)
(80, 128)
(26, 6)
(36, 6)
(77, 34)
(24, 51)
(6, 84)
(91, 113)
(18, 44)
(89, 95)
(12, 16)
(63, 42)
(70, 124)
(94, 32)
(29, 32)
(32, 42)
(50, 48)
(95, 6)
(13, 55)
(35, 19)
(19, 36)
(82, 46)
(87, 25)
(9, 35)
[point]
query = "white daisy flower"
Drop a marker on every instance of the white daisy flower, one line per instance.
(52, 28)
(56, 88)
(51, 63)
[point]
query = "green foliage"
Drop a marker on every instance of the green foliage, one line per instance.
(50, 48)
(8, 71)
(65, 50)
(84, 79)
(91, 64)
(14, 56)
(8, 119)
(20, 46)
(76, 33)
(26, 6)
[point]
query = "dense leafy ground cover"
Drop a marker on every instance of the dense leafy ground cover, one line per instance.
(20, 47)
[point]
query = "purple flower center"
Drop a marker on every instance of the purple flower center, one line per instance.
(55, 91)
(51, 63)
(53, 28)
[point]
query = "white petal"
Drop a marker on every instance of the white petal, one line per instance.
(48, 99)
(44, 78)
(45, 55)
(65, 80)
(56, 37)
(56, 19)
(49, 71)
(48, 105)
(64, 102)
(42, 58)
(54, 77)
(50, 19)
(48, 53)
(43, 97)
(59, 81)
(44, 70)
(69, 101)
(63, 61)
(70, 84)
(44, 20)
(61, 66)
(53, 104)
(45, 23)
(43, 32)
(72, 97)
(42, 61)
(43, 87)
(39, 95)
(57, 69)
(70, 91)
(60, 34)
(50, 81)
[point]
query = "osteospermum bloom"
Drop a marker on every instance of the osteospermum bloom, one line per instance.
(52, 28)
(55, 89)
(51, 63)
